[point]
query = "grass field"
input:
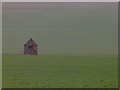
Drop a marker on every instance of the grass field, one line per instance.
(57, 71)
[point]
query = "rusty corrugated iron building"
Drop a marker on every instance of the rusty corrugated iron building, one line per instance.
(30, 47)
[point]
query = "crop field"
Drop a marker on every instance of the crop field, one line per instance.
(59, 71)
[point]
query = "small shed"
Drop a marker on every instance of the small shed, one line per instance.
(30, 47)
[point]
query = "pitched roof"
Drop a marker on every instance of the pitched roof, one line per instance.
(30, 40)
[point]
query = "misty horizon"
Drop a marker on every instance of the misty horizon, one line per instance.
(61, 28)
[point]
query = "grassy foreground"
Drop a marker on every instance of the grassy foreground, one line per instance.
(52, 71)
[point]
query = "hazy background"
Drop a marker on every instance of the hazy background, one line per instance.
(61, 28)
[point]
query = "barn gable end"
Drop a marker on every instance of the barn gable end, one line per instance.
(30, 47)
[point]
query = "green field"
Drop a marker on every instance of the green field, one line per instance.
(59, 71)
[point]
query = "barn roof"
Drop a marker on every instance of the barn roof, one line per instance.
(30, 40)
